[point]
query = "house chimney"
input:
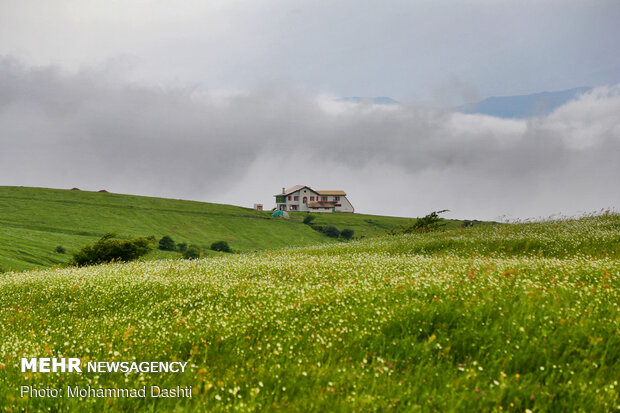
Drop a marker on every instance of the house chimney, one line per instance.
(283, 191)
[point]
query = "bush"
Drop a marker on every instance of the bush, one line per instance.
(192, 252)
(428, 223)
(108, 250)
(308, 219)
(166, 243)
(347, 233)
(60, 249)
(221, 246)
(182, 247)
(331, 231)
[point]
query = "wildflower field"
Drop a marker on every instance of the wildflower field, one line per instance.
(498, 317)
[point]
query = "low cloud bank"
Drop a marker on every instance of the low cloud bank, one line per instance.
(89, 130)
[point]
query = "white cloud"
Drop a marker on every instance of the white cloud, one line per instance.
(65, 130)
(588, 121)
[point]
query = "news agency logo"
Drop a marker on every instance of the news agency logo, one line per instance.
(72, 365)
(51, 365)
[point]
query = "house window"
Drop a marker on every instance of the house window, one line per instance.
(282, 207)
(296, 198)
(289, 197)
(293, 207)
(336, 198)
(305, 200)
(338, 205)
(311, 198)
(324, 198)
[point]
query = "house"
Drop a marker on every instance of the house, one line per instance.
(304, 198)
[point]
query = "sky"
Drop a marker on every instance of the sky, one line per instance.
(229, 101)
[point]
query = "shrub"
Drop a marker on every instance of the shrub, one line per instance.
(331, 231)
(166, 243)
(221, 246)
(428, 223)
(192, 252)
(60, 249)
(108, 250)
(182, 247)
(308, 219)
(347, 233)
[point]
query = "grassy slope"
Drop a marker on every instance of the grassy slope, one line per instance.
(33, 221)
(512, 317)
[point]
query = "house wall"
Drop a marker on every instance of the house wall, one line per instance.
(300, 205)
(344, 202)
(346, 205)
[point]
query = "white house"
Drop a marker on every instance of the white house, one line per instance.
(304, 198)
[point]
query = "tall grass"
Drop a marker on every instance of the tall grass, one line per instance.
(510, 317)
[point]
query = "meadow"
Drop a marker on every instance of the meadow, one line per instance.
(521, 317)
(34, 221)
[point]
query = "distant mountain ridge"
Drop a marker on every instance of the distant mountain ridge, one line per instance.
(378, 100)
(507, 107)
(523, 106)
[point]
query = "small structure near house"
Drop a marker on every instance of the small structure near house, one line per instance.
(304, 198)
(258, 207)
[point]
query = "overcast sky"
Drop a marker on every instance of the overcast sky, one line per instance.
(229, 101)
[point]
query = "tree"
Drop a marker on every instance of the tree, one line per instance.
(428, 223)
(60, 249)
(192, 252)
(107, 249)
(221, 246)
(166, 243)
(182, 246)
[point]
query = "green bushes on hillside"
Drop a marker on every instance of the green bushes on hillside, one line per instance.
(331, 231)
(108, 249)
(192, 252)
(221, 246)
(166, 243)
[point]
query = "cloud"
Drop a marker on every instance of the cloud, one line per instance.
(90, 130)
(446, 50)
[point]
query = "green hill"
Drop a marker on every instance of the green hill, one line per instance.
(34, 221)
